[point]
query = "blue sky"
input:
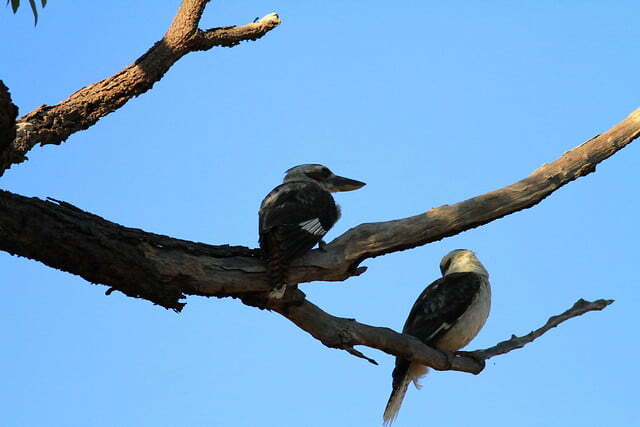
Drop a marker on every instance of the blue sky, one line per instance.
(429, 103)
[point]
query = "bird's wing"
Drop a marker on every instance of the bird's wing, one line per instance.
(440, 305)
(294, 217)
(435, 311)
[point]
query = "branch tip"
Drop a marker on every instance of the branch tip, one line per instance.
(271, 19)
(356, 353)
(579, 308)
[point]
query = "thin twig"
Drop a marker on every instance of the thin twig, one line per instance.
(579, 308)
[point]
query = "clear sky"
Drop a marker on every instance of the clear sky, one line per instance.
(429, 103)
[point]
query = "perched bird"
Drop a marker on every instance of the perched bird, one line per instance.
(447, 315)
(296, 215)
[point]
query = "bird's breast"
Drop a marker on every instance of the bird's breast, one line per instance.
(469, 324)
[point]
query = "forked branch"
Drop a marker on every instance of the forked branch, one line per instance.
(53, 124)
(341, 333)
(167, 269)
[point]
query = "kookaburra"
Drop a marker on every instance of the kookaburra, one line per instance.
(296, 215)
(447, 315)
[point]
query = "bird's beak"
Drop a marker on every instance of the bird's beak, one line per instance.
(340, 183)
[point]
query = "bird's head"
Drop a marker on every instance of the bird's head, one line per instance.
(322, 175)
(462, 261)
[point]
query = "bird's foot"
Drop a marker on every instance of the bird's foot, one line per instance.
(322, 245)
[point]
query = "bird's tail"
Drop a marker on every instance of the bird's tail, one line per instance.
(403, 374)
(277, 271)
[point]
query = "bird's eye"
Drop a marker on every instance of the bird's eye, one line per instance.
(320, 174)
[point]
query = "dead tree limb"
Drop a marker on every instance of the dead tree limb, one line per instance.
(579, 308)
(163, 270)
(167, 269)
(53, 124)
(341, 333)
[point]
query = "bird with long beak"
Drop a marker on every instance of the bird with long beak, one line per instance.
(447, 315)
(296, 215)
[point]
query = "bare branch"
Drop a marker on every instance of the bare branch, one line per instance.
(139, 264)
(166, 269)
(579, 308)
(343, 334)
(370, 240)
(185, 23)
(163, 270)
(232, 36)
(53, 124)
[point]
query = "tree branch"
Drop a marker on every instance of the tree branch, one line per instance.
(8, 114)
(140, 264)
(53, 124)
(232, 36)
(185, 23)
(344, 334)
(375, 239)
(341, 333)
(341, 258)
(579, 308)
(164, 269)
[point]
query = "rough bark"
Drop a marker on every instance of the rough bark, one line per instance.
(182, 268)
(8, 114)
(53, 124)
(140, 264)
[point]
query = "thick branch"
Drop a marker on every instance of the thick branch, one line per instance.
(32, 227)
(342, 256)
(139, 264)
(342, 333)
(375, 239)
(162, 269)
(53, 124)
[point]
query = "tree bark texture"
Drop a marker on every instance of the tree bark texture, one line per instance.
(166, 269)
(8, 114)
